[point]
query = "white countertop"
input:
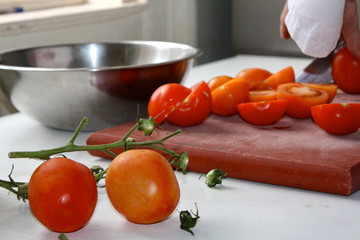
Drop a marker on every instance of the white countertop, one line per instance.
(236, 210)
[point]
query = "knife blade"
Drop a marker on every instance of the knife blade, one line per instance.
(319, 70)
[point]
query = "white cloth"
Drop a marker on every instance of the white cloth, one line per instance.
(315, 26)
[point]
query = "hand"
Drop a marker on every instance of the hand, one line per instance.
(350, 32)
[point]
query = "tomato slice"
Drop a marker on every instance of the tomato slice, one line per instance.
(331, 89)
(263, 112)
(337, 118)
(254, 76)
(262, 95)
(301, 98)
(286, 75)
(227, 96)
(165, 99)
(218, 81)
(194, 109)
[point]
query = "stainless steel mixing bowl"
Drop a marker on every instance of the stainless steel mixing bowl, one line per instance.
(106, 82)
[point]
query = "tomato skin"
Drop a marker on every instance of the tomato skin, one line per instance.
(301, 98)
(263, 112)
(62, 194)
(195, 108)
(346, 71)
(226, 97)
(337, 118)
(285, 75)
(254, 76)
(142, 186)
(217, 81)
(165, 99)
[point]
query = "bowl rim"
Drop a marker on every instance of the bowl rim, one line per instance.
(196, 53)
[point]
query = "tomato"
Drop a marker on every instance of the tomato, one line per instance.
(216, 82)
(227, 96)
(262, 95)
(142, 186)
(337, 118)
(286, 75)
(263, 112)
(301, 98)
(62, 194)
(194, 109)
(331, 89)
(165, 99)
(254, 76)
(346, 71)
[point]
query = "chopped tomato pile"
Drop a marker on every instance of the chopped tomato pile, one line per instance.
(258, 96)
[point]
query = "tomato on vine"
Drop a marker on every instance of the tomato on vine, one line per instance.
(142, 186)
(62, 194)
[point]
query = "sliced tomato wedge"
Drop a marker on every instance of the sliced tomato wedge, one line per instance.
(331, 89)
(217, 81)
(301, 98)
(286, 75)
(262, 95)
(263, 112)
(194, 109)
(165, 99)
(254, 76)
(227, 96)
(180, 105)
(337, 118)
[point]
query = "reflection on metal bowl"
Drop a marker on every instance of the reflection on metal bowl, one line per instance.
(59, 85)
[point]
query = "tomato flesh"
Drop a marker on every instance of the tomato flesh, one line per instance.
(301, 98)
(62, 194)
(262, 95)
(263, 112)
(337, 118)
(254, 76)
(142, 186)
(285, 75)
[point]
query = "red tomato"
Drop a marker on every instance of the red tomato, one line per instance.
(180, 105)
(195, 108)
(254, 76)
(142, 186)
(346, 71)
(165, 99)
(218, 81)
(227, 96)
(331, 89)
(301, 98)
(62, 194)
(286, 75)
(337, 118)
(262, 95)
(263, 112)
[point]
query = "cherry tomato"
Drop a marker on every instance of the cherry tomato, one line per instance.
(216, 82)
(165, 99)
(62, 194)
(254, 76)
(142, 186)
(263, 112)
(195, 108)
(262, 95)
(301, 98)
(286, 75)
(346, 71)
(331, 89)
(227, 96)
(337, 118)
